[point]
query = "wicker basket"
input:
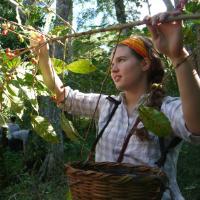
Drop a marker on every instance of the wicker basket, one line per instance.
(116, 181)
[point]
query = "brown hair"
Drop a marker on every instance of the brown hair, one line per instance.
(155, 75)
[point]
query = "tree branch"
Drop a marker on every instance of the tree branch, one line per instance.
(19, 11)
(119, 27)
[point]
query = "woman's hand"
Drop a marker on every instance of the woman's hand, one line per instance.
(167, 36)
(38, 42)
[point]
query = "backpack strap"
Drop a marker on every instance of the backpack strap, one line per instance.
(116, 104)
(165, 150)
(126, 141)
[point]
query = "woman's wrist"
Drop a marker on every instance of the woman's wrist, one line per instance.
(176, 61)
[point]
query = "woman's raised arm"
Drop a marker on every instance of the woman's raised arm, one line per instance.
(168, 39)
(51, 79)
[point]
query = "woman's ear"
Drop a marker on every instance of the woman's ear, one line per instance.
(145, 64)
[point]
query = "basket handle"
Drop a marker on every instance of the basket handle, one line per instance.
(121, 155)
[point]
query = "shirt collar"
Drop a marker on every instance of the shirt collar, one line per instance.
(142, 100)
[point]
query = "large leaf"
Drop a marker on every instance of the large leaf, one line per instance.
(15, 104)
(40, 87)
(59, 65)
(30, 95)
(69, 130)
(82, 66)
(3, 121)
(44, 129)
(155, 121)
(14, 91)
(28, 79)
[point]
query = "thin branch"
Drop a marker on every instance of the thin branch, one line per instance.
(117, 27)
(22, 26)
(19, 9)
(124, 26)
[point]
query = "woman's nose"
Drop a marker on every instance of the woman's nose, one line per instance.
(114, 67)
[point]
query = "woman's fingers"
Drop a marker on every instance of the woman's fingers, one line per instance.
(37, 39)
(152, 29)
(161, 17)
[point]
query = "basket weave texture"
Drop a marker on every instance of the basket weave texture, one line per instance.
(116, 181)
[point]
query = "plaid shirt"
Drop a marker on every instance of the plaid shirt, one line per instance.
(138, 152)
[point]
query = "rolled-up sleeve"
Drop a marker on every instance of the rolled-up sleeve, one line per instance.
(84, 104)
(172, 108)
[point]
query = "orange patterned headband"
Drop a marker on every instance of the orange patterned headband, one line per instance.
(137, 45)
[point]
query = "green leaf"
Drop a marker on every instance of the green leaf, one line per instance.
(69, 130)
(14, 62)
(29, 79)
(14, 91)
(155, 121)
(15, 104)
(59, 65)
(82, 66)
(3, 121)
(29, 93)
(197, 21)
(44, 129)
(59, 30)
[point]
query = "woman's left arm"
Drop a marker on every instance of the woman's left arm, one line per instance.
(189, 88)
(168, 39)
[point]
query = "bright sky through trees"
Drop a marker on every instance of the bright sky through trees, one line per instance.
(156, 7)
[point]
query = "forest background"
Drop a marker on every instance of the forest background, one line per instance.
(39, 172)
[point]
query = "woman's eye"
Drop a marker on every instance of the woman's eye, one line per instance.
(121, 60)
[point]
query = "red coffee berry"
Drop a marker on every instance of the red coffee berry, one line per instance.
(4, 32)
(10, 55)
(8, 50)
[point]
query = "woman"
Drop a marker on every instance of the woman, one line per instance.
(135, 67)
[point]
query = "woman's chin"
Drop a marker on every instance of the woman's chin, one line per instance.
(119, 87)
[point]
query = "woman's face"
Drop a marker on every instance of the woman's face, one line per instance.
(126, 70)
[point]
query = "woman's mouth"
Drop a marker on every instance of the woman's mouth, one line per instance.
(117, 78)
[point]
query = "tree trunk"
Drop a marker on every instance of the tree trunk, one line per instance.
(64, 8)
(168, 5)
(120, 11)
(120, 14)
(148, 6)
(53, 164)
